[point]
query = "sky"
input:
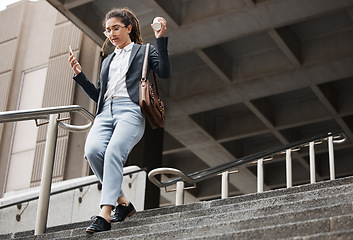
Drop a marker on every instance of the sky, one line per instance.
(4, 3)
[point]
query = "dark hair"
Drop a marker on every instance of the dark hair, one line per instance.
(127, 17)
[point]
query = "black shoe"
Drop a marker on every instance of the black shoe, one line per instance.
(99, 224)
(122, 212)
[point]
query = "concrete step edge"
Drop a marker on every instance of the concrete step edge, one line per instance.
(284, 208)
(208, 204)
(240, 224)
(343, 197)
(212, 204)
(334, 210)
(336, 235)
(271, 232)
(184, 225)
(254, 196)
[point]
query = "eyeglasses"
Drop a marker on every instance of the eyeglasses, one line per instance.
(114, 30)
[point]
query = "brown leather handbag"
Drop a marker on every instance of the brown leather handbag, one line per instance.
(150, 102)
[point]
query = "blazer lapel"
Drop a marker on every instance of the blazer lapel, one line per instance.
(104, 79)
(105, 67)
(134, 50)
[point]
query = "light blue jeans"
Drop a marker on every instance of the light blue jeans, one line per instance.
(115, 131)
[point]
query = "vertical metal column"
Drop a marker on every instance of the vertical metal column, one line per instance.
(312, 162)
(225, 181)
(260, 175)
(179, 193)
(289, 167)
(47, 172)
(331, 158)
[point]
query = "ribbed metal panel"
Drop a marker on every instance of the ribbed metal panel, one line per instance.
(59, 88)
(5, 82)
(7, 55)
(59, 91)
(10, 25)
(42, 133)
(65, 35)
(38, 163)
(60, 157)
(42, 130)
(10, 20)
(59, 161)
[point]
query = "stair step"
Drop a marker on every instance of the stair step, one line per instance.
(248, 215)
(337, 235)
(299, 191)
(238, 225)
(251, 220)
(244, 210)
(206, 208)
(226, 231)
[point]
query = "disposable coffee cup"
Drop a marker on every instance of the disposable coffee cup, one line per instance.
(156, 25)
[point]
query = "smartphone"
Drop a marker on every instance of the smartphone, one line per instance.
(70, 49)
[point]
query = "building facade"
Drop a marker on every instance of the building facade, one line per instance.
(34, 73)
(247, 76)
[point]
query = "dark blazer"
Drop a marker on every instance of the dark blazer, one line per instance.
(158, 61)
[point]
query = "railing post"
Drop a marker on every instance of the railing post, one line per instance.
(225, 183)
(331, 158)
(260, 175)
(312, 162)
(289, 167)
(47, 172)
(179, 193)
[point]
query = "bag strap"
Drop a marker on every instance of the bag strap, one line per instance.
(145, 62)
(144, 69)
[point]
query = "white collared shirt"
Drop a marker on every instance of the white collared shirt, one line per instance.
(117, 73)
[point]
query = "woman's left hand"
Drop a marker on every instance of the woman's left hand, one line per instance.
(160, 33)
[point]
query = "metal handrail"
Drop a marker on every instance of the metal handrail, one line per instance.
(199, 176)
(43, 113)
(65, 190)
(52, 114)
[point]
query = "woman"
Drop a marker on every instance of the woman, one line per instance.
(119, 124)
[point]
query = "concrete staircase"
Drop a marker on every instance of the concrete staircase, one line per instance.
(314, 211)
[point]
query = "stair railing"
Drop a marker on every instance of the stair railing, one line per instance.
(259, 158)
(52, 114)
(80, 186)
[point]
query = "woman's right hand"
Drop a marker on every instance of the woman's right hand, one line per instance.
(75, 65)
